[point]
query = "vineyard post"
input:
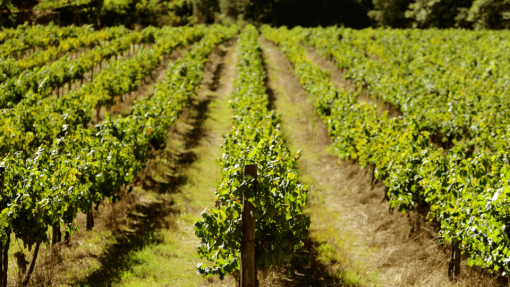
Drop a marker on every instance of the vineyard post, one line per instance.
(67, 237)
(454, 265)
(4, 258)
(454, 268)
(372, 176)
(90, 221)
(57, 234)
(54, 237)
(2, 172)
(248, 268)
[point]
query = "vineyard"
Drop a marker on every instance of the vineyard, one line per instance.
(350, 135)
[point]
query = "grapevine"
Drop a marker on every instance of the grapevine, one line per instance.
(38, 36)
(10, 67)
(39, 119)
(54, 75)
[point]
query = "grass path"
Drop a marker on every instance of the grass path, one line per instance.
(331, 257)
(172, 262)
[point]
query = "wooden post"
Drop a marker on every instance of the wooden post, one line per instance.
(67, 237)
(372, 176)
(90, 221)
(454, 265)
(450, 264)
(6, 258)
(54, 237)
(2, 176)
(456, 261)
(1, 269)
(57, 234)
(248, 268)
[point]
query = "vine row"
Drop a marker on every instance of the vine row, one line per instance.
(86, 165)
(468, 195)
(255, 138)
(48, 78)
(38, 120)
(11, 67)
(41, 36)
(444, 83)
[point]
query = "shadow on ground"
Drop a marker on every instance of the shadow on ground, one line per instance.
(305, 269)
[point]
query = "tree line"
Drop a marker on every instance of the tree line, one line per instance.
(469, 14)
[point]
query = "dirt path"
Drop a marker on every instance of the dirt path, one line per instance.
(192, 179)
(355, 237)
(147, 238)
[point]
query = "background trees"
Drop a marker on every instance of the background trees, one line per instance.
(390, 13)
(469, 14)
(490, 14)
(438, 13)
